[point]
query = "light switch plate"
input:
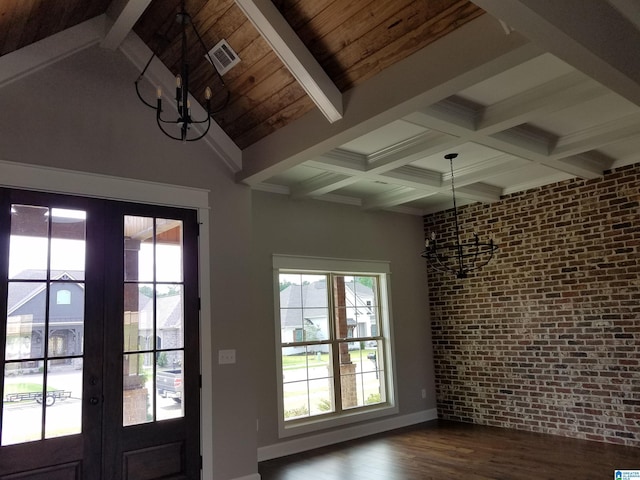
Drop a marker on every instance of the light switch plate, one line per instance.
(226, 357)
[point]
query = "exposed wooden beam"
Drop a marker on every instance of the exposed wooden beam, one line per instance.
(322, 184)
(392, 198)
(41, 54)
(478, 192)
(629, 8)
(471, 53)
(591, 35)
(124, 14)
(295, 55)
(603, 134)
(549, 97)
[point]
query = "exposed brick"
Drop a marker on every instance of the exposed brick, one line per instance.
(546, 337)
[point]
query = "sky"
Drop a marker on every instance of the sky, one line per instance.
(31, 253)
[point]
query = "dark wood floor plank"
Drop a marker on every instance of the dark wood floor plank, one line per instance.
(441, 449)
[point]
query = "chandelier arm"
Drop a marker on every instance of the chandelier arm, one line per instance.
(482, 264)
(160, 122)
(198, 122)
(431, 255)
(444, 267)
(475, 252)
(140, 77)
(224, 104)
(170, 121)
(206, 52)
(142, 99)
(224, 85)
(436, 260)
(144, 70)
(438, 267)
(203, 133)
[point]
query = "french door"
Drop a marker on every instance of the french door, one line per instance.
(99, 343)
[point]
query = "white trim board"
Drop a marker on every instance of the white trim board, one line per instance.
(36, 56)
(298, 445)
(55, 180)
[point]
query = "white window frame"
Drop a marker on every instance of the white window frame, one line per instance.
(319, 265)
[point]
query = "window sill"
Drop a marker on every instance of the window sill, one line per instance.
(325, 422)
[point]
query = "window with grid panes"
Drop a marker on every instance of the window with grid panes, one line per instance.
(333, 343)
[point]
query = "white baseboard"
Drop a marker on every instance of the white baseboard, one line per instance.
(349, 433)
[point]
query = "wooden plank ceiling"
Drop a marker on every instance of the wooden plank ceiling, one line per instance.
(351, 40)
(23, 22)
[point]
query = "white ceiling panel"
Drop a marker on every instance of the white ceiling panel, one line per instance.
(588, 114)
(390, 134)
(517, 80)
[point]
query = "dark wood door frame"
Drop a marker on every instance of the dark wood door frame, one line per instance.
(100, 399)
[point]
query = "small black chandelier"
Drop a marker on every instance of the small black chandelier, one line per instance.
(179, 129)
(462, 257)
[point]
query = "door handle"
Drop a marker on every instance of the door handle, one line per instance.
(94, 401)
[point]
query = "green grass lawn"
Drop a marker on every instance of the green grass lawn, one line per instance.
(25, 387)
(315, 360)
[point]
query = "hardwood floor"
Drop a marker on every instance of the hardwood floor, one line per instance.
(449, 450)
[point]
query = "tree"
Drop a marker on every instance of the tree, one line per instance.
(366, 281)
(147, 291)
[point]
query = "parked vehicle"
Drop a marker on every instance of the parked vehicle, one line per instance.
(169, 384)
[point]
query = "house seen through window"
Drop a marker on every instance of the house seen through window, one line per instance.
(333, 346)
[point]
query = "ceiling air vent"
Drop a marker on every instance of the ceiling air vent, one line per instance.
(223, 57)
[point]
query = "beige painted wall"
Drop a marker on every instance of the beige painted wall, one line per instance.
(322, 229)
(83, 114)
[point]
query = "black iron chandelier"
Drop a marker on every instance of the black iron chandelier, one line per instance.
(462, 257)
(180, 128)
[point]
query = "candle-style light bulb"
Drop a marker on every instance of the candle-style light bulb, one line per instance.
(179, 81)
(207, 93)
(159, 92)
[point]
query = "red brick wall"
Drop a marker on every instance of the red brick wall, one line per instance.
(547, 336)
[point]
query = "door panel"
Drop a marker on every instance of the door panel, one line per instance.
(154, 338)
(88, 326)
(43, 333)
(69, 471)
(159, 461)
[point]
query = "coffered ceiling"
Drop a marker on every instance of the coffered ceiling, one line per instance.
(358, 101)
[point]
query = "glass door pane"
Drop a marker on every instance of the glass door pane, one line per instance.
(44, 344)
(153, 323)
